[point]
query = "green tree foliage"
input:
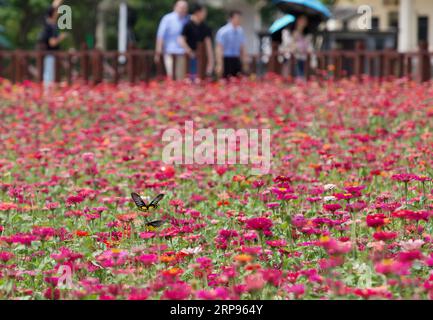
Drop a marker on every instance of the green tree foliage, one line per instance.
(19, 18)
(23, 20)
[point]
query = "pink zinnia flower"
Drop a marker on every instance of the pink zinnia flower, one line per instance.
(52, 205)
(52, 294)
(299, 221)
(332, 207)
(271, 205)
(254, 282)
(388, 266)
(88, 157)
(74, 199)
(277, 243)
(25, 239)
(219, 293)
(178, 291)
(404, 177)
(139, 294)
(6, 256)
(44, 233)
(260, 224)
(297, 289)
(148, 259)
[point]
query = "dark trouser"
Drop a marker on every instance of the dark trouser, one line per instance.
(193, 68)
(300, 68)
(232, 67)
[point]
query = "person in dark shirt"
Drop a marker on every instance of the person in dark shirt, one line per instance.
(50, 41)
(50, 37)
(194, 32)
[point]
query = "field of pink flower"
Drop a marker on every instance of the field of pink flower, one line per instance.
(346, 212)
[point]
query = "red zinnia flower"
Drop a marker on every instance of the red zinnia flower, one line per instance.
(332, 207)
(385, 236)
(376, 220)
(412, 215)
(81, 233)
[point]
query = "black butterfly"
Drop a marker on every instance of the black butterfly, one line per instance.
(154, 225)
(142, 206)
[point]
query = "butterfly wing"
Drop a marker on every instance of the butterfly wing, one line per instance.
(154, 203)
(154, 225)
(139, 202)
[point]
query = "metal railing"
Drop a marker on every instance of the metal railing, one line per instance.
(135, 65)
(383, 64)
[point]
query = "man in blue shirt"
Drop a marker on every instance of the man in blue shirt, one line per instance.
(230, 47)
(167, 43)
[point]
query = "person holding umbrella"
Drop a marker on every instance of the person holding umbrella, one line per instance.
(281, 41)
(301, 45)
(309, 15)
(315, 10)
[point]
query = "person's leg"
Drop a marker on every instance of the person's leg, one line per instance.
(193, 68)
(49, 70)
(285, 68)
(237, 67)
(168, 63)
(180, 67)
(300, 68)
(225, 68)
(228, 67)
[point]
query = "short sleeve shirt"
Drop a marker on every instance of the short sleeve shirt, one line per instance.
(195, 33)
(231, 39)
(50, 31)
(169, 30)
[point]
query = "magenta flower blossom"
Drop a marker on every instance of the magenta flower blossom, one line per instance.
(74, 199)
(6, 256)
(349, 191)
(177, 291)
(404, 177)
(148, 259)
(259, 224)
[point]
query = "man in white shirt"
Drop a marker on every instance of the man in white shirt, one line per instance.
(167, 43)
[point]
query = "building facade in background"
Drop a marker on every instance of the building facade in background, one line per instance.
(411, 19)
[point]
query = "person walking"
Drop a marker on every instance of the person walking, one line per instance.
(230, 47)
(195, 32)
(168, 45)
(301, 44)
(49, 41)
